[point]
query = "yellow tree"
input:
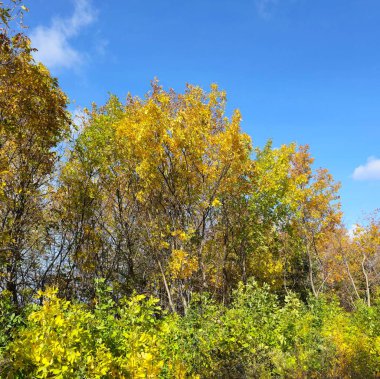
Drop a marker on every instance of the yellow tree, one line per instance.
(155, 174)
(320, 219)
(362, 259)
(33, 120)
(293, 211)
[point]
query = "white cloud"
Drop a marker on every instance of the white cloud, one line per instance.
(369, 171)
(53, 42)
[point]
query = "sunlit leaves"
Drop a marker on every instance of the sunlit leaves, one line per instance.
(33, 121)
(150, 177)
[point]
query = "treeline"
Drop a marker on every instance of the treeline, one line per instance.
(166, 197)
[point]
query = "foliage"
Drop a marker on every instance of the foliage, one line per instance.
(165, 245)
(145, 189)
(10, 321)
(257, 336)
(66, 340)
(33, 120)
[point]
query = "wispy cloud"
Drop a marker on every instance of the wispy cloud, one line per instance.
(54, 42)
(265, 8)
(369, 171)
(101, 46)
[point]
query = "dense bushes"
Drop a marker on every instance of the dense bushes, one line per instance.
(66, 340)
(257, 336)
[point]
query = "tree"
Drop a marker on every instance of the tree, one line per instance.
(292, 212)
(33, 120)
(362, 259)
(146, 187)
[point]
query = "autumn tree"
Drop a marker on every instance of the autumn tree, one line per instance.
(146, 186)
(360, 255)
(292, 210)
(33, 120)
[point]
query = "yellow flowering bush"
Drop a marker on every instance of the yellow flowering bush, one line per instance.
(66, 340)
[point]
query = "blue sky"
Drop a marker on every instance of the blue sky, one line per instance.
(299, 70)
